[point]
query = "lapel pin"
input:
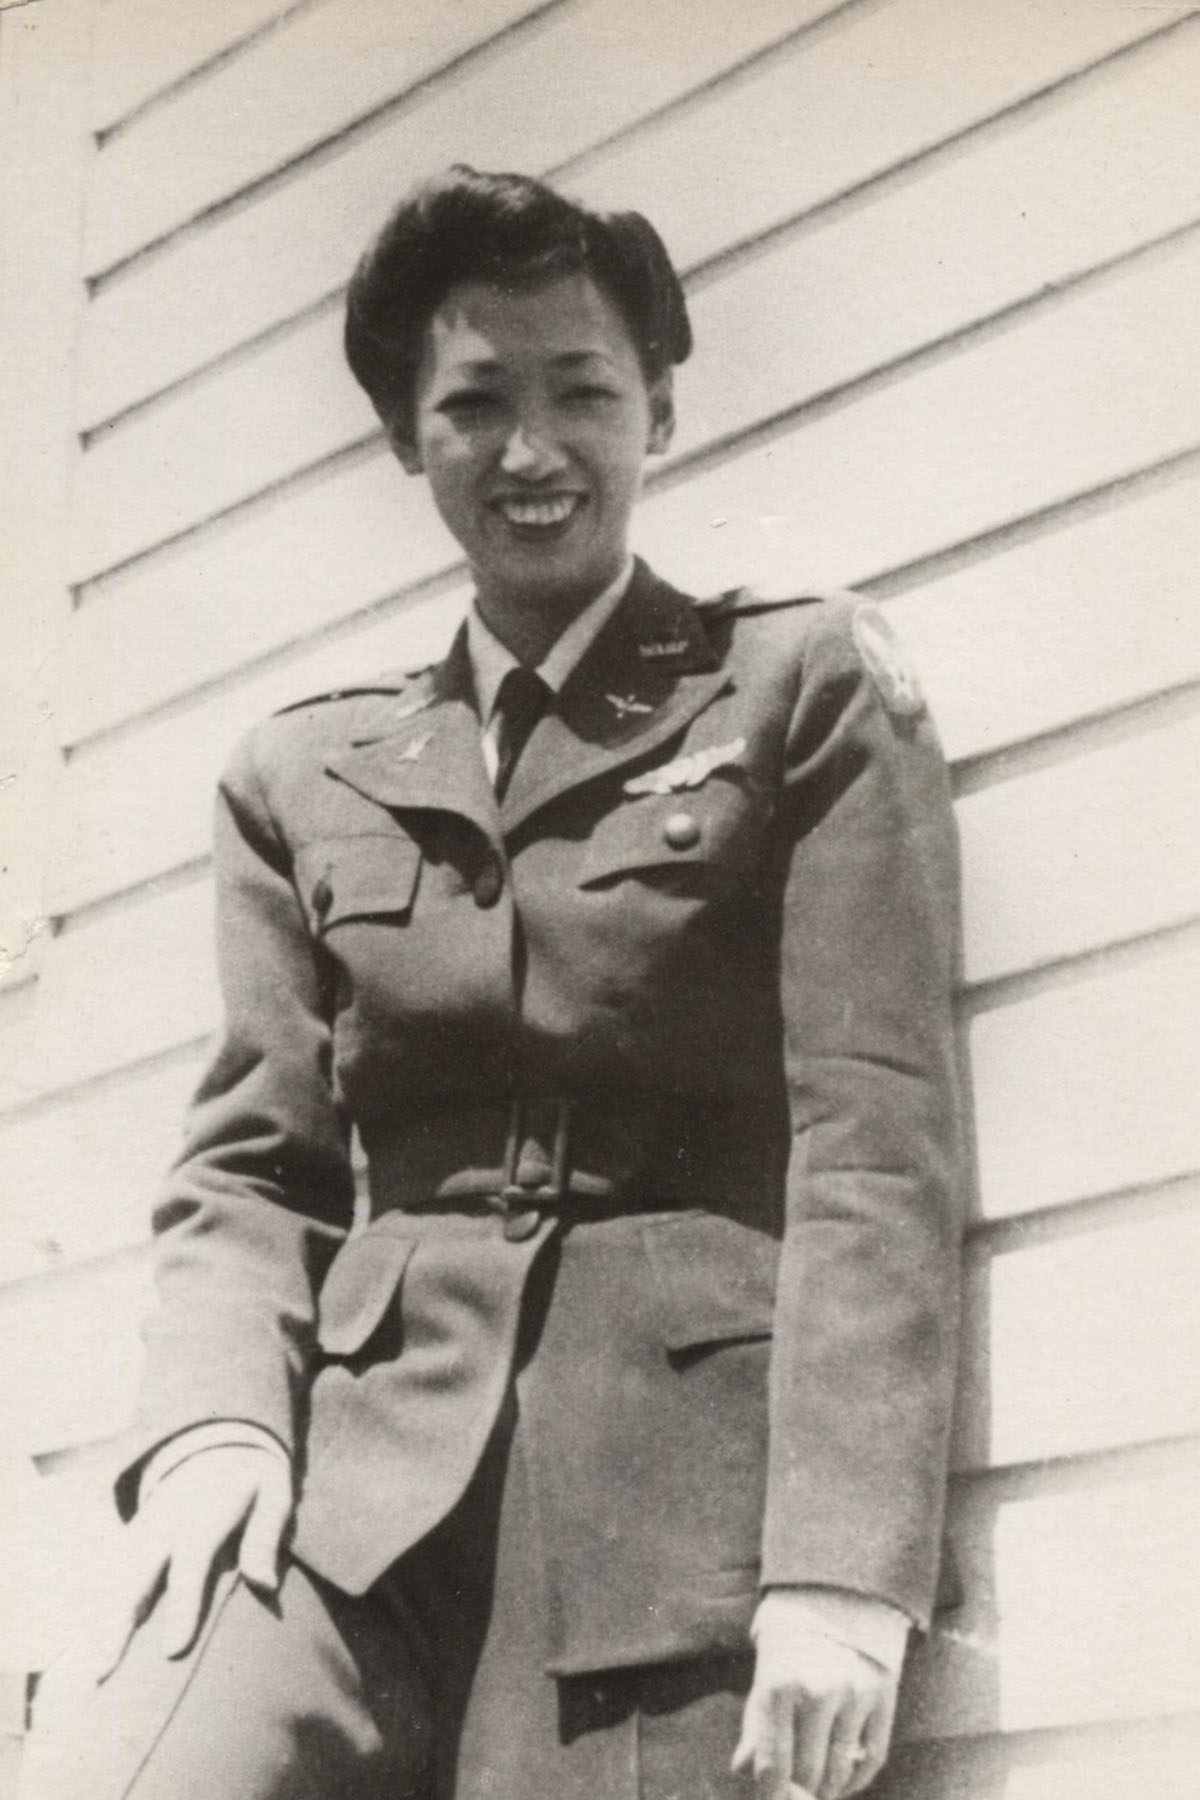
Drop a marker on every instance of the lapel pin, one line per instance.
(664, 647)
(415, 748)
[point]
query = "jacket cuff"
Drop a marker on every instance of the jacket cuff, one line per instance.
(222, 1434)
(873, 1627)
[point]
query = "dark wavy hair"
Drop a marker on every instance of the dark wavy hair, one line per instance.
(464, 225)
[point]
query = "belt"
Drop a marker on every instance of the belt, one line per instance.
(575, 1159)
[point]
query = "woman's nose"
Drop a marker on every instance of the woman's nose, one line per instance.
(531, 450)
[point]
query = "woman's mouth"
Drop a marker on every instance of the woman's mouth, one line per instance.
(538, 515)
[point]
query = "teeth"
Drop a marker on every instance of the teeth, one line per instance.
(539, 512)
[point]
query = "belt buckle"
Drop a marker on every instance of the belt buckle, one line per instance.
(521, 1207)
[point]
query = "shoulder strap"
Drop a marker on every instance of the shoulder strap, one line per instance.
(746, 602)
(389, 683)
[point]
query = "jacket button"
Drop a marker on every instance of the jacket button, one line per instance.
(682, 831)
(489, 882)
(322, 898)
(520, 1225)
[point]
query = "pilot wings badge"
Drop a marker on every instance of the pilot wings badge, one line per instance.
(690, 771)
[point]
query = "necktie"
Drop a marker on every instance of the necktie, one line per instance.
(520, 703)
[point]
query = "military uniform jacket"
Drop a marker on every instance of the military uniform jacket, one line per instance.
(716, 911)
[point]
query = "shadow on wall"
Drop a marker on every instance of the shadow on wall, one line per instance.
(951, 1686)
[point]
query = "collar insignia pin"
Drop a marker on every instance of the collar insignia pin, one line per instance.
(415, 748)
(626, 707)
(663, 647)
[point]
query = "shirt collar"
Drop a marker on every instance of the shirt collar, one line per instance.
(491, 660)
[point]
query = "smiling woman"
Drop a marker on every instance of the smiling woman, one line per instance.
(532, 420)
(607, 1456)
(519, 352)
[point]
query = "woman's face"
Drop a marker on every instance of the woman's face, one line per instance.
(532, 420)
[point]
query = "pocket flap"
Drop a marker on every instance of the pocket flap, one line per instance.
(719, 824)
(714, 1279)
(363, 1281)
(358, 878)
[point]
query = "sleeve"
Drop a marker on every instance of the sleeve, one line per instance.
(262, 1194)
(865, 1352)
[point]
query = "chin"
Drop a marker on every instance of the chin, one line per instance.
(547, 578)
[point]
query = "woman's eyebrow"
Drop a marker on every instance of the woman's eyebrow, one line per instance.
(474, 368)
(572, 358)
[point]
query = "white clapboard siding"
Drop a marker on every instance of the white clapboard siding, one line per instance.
(894, 80)
(349, 57)
(1084, 1606)
(132, 984)
(324, 67)
(883, 480)
(71, 1353)
(201, 450)
(292, 403)
(1090, 1087)
(234, 594)
(751, 359)
(291, 399)
(810, 140)
(1096, 614)
(1083, 1342)
(143, 48)
(495, 115)
(866, 288)
(1156, 1757)
(1022, 417)
(1093, 850)
(80, 1170)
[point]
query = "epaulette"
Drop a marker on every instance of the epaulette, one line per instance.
(745, 602)
(394, 682)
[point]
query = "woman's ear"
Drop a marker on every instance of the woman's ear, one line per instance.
(662, 414)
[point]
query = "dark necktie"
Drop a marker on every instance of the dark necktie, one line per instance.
(520, 703)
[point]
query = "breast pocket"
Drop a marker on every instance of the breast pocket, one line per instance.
(354, 878)
(712, 832)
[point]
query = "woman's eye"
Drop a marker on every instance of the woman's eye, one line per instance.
(588, 392)
(469, 404)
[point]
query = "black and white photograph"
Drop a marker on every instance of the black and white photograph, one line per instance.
(600, 900)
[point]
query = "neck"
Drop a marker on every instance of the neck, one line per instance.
(531, 627)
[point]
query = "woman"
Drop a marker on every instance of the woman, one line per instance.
(606, 1453)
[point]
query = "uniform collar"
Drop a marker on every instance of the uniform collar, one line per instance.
(491, 660)
(649, 668)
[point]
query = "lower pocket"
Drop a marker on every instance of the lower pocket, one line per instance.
(713, 1279)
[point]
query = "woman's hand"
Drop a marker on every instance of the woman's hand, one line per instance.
(818, 1719)
(238, 1495)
